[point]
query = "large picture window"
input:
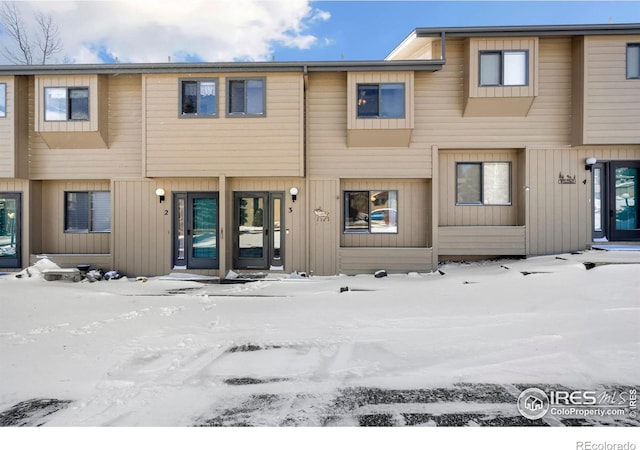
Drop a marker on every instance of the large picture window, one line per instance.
(371, 212)
(246, 97)
(87, 212)
(3, 100)
(62, 103)
(198, 98)
(503, 68)
(633, 61)
(483, 183)
(384, 100)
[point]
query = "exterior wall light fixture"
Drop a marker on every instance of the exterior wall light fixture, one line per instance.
(294, 193)
(589, 162)
(160, 194)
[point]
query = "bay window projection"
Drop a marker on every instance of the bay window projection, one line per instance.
(62, 103)
(503, 68)
(384, 100)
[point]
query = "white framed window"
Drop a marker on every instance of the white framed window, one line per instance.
(3, 100)
(483, 183)
(87, 212)
(504, 68)
(199, 98)
(371, 212)
(246, 97)
(381, 100)
(633, 61)
(66, 103)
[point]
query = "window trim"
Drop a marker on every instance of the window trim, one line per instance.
(198, 115)
(370, 192)
(68, 103)
(378, 116)
(482, 183)
(501, 68)
(89, 211)
(631, 45)
(3, 100)
(245, 114)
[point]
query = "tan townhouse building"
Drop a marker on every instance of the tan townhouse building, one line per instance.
(463, 142)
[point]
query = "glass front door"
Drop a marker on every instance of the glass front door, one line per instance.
(258, 230)
(195, 230)
(623, 205)
(9, 230)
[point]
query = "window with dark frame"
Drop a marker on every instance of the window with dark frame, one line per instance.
(87, 212)
(633, 61)
(381, 100)
(246, 97)
(371, 212)
(199, 98)
(66, 103)
(504, 68)
(3, 100)
(483, 183)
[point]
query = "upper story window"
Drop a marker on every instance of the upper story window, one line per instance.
(3, 100)
(633, 61)
(247, 97)
(87, 212)
(199, 98)
(66, 103)
(487, 183)
(384, 100)
(503, 68)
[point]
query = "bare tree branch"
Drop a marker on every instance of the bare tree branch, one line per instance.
(22, 51)
(49, 41)
(14, 27)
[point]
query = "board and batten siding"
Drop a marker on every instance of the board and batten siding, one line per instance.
(121, 159)
(293, 220)
(414, 214)
(328, 153)
(324, 215)
(271, 145)
(559, 216)
(142, 241)
(440, 98)
(451, 214)
(611, 102)
(54, 238)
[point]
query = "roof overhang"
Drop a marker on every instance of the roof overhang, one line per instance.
(419, 36)
(150, 68)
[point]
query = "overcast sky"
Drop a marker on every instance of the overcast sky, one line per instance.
(262, 30)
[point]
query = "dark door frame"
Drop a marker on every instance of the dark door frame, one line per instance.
(14, 262)
(271, 255)
(188, 260)
(614, 233)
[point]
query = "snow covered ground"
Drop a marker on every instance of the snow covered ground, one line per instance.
(454, 347)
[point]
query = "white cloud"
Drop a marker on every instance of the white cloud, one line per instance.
(153, 30)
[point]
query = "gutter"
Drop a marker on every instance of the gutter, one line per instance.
(207, 67)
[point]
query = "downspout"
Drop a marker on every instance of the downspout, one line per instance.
(307, 183)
